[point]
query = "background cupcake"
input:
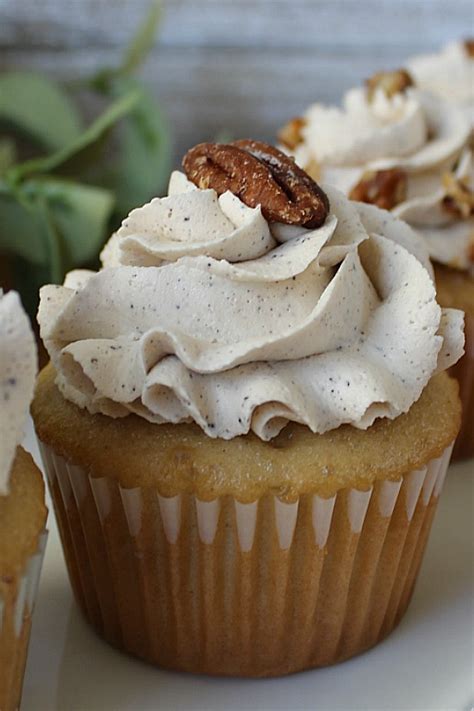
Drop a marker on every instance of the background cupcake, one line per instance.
(22, 508)
(243, 451)
(448, 73)
(405, 150)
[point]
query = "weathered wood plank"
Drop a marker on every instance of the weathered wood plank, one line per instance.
(249, 23)
(243, 66)
(205, 91)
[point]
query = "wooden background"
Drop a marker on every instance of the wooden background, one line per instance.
(240, 66)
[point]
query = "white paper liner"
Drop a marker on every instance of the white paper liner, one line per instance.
(429, 478)
(16, 610)
(181, 613)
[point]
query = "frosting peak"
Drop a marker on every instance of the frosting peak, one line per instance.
(206, 312)
(365, 130)
(18, 365)
(448, 74)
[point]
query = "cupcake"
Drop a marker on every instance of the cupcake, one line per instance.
(22, 508)
(408, 151)
(246, 421)
(448, 74)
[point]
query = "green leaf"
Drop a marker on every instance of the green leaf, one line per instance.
(79, 213)
(141, 165)
(93, 133)
(54, 223)
(29, 278)
(53, 241)
(21, 230)
(7, 154)
(142, 42)
(39, 108)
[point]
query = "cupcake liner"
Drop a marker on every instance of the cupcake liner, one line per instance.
(463, 371)
(16, 610)
(249, 589)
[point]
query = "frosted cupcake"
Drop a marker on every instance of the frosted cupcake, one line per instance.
(246, 423)
(402, 149)
(22, 508)
(448, 74)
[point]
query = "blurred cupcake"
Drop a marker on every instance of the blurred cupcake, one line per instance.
(388, 124)
(22, 508)
(448, 74)
(246, 423)
(441, 208)
(408, 151)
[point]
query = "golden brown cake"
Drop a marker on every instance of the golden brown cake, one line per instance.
(22, 523)
(176, 459)
(247, 426)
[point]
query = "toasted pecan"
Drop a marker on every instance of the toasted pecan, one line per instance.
(384, 188)
(459, 198)
(469, 46)
(259, 174)
(291, 133)
(391, 83)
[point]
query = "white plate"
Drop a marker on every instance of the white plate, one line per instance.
(426, 664)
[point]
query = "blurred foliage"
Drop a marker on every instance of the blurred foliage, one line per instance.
(58, 207)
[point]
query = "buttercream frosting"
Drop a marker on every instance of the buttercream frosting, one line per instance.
(18, 367)
(449, 74)
(449, 235)
(205, 312)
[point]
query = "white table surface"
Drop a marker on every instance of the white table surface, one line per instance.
(427, 664)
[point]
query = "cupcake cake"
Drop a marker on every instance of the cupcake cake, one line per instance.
(448, 74)
(408, 151)
(22, 508)
(246, 421)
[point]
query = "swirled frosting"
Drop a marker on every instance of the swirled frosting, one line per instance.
(413, 131)
(18, 366)
(449, 235)
(205, 312)
(449, 74)
(363, 131)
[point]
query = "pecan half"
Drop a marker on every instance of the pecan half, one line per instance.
(459, 199)
(469, 46)
(391, 83)
(384, 188)
(290, 135)
(259, 174)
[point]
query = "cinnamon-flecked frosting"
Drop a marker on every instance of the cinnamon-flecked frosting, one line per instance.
(449, 74)
(413, 131)
(205, 312)
(449, 234)
(18, 366)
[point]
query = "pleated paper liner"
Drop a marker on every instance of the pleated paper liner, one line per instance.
(16, 609)
(259, 589)
(463, 371)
